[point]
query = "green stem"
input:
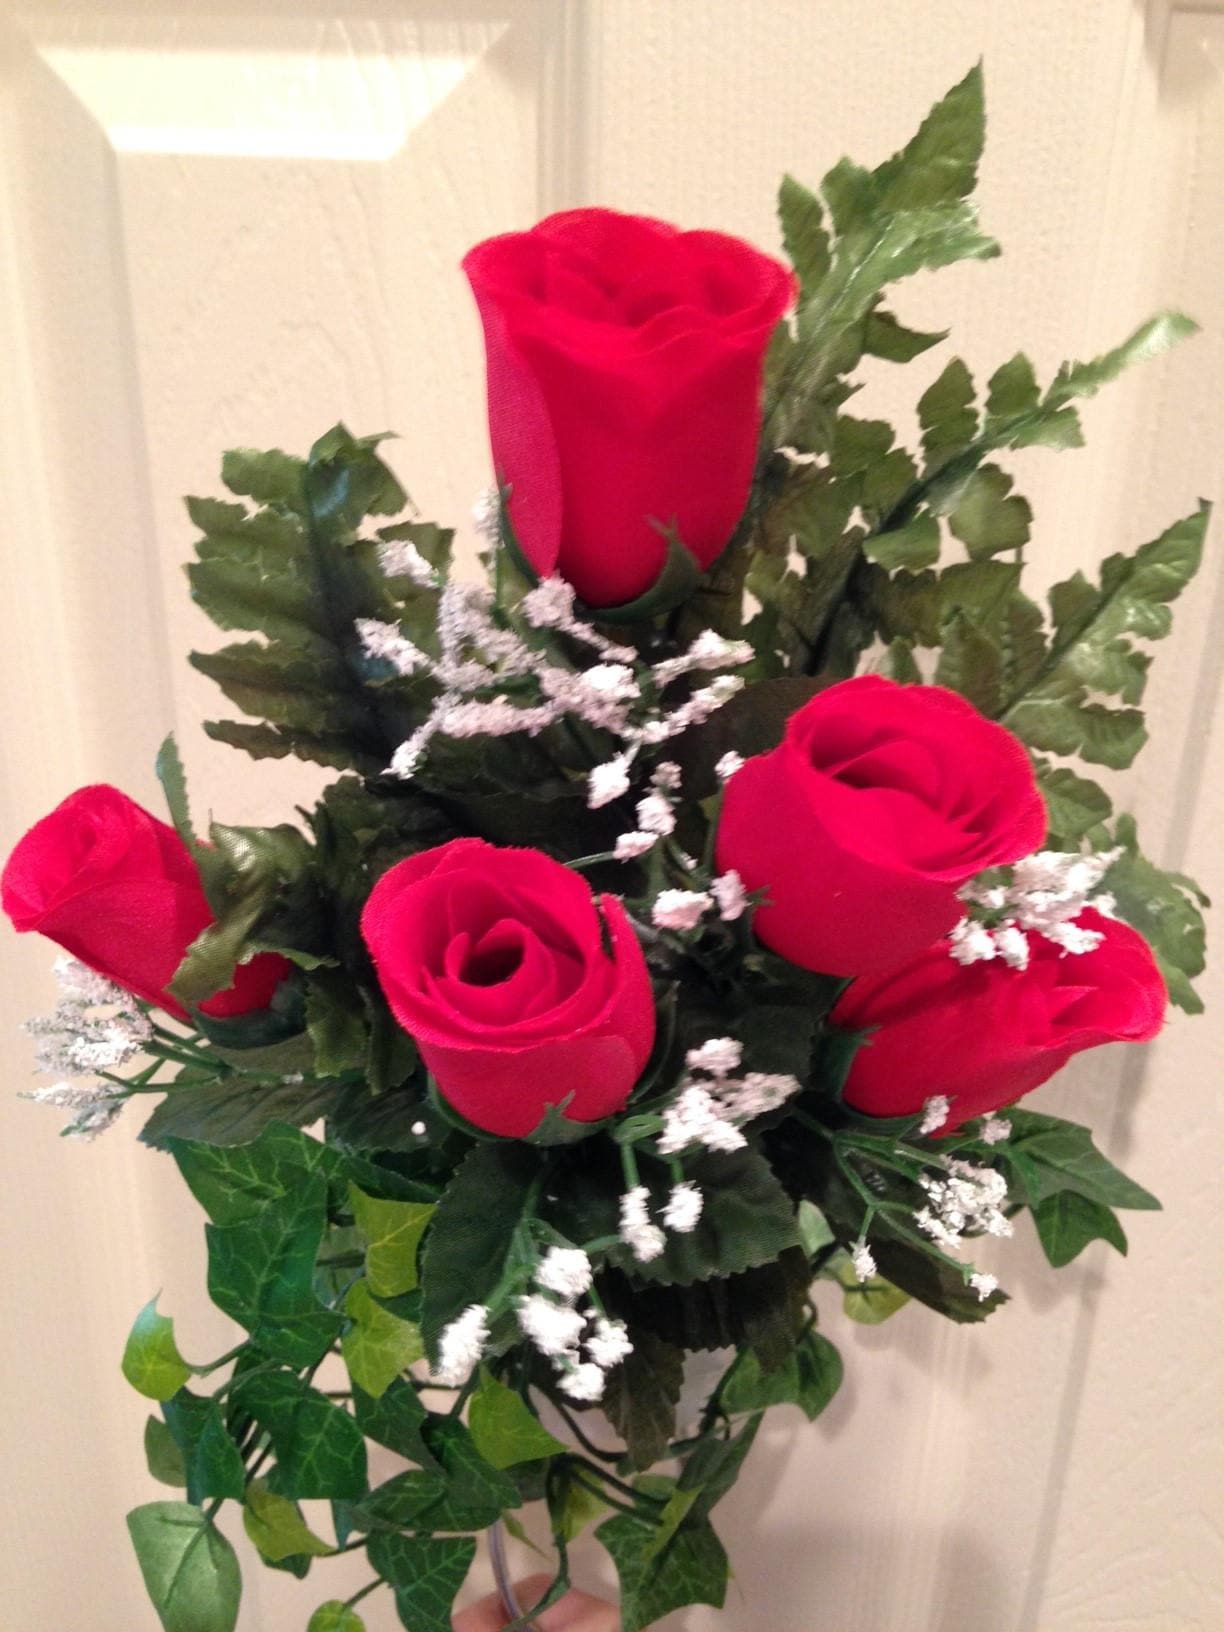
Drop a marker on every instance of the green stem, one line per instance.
(350, 1603)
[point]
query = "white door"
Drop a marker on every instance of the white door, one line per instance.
(236, 224)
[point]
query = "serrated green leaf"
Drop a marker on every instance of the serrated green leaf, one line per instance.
(393, 1231)
(1012, 389)
(335, 1020)
(334, 1616)
(1049, 1155)
(1150, 339)
(884, 337)
(1074, 804)
(276, 1527)
(912, 546)
(503, 1427)
(939, 164)
(320, 1451)
(268, 477)
(189, 1569)
(152, 1363)
(1166, 910)
(261, 1274)
(162, 1454)
(947, 415)
(971, 662)
(1066, 1222)
(426, 1573)
(474, 1233)
(233, 1110)
(378, 1346)
(693, 1569)
(641, 1394)
(988, 517)
(803, 233)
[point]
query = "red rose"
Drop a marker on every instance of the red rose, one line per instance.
(986, 1034)
(624, 365)
(118, 889)
(519, 987)
(881, 800)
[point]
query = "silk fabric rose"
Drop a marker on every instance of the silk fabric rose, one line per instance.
(624, 387)
(118, 889)
(881, 800)
(987, 1034)
(520, 988)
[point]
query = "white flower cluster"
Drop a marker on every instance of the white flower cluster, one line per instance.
(1047, 893)
(967, 1198)
(644, 1238)
(400, 558)
(583, 1344)
(935, 1112)
(713, 1100)
(461, 1346)
(994, 1130)
(96, 1026)
(863, 1262)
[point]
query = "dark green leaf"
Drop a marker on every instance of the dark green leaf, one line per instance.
(1049, 1155)
(335, 1020)
(641, 1394)
(270, 477)
(1149, 340)
(426, 1573)
(1012, 389)
(261, 1274)
(988, 518)
(233, 1110)
(395, 1420)
(947, 415)
(884, 337)
(151, 1361)
(806, 241)
(1066, 1222)
(809, 1378)
(320, 1451)
(162, 1454)
(692, 1570)
(939, 164)
(189, 1569)
(1166, 909)
(1075, 805)
(913, 545)
(212, 1462)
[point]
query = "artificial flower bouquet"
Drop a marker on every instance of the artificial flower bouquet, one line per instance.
(696, 897)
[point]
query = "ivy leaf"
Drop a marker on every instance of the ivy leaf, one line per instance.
(378, 1346)
(395, 1419)
(162, 1454)
(572, 1506)
(503, 1427)
(320, 1451)
(276, 1527)
(393, 1231)
(1066, 1222)
(809, 1378)
(692, 1570)
(261, 1274)
(474, 1233)
(1046, 1155)
(641, 1395)
(151, 1361)
(212, 1462)
(334, 1616)
(426, 1573)
(189, 1569)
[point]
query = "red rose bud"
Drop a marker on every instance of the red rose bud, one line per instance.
(985, 1034)
(861, 825)
(118, 889)
(624, 381)
(495, 960)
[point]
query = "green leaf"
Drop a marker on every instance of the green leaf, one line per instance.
(1166, 910)
(162, 1454)
(929, 1277)
(947, 415)
(173, 779)
(151, 1361)
(641, 1394)
(939, 164)
(747, 1219)
(1074, 804)
(261, 1274)
(378, 1346)
(693, 1570)
(212, 1462)
(1066, 1222)
(393, 1231)
(1047, 1155)
(884, 337)
(334, 1616)
(809, 1378)
(426, 1573)
(336, 1023)
(914, 545)
(270, 477)
(713, 1466)
(815, 1233)
(395, 1419)
(233, 1110)
(320, 1451)
(803, 234)
(504, 1429)
(1152, 338)
(189, 1569)
(276, 1527)
(870, 1302)
(572, 1506)
(474, 1233)
(988, 517)
(1012, 390)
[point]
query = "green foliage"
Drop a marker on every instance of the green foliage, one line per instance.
(504, 1429)
(151, 1361)
(809, 1378)
(393, 1231)
(1067, 1221)
(1045, 1155)
(640, 1397)
(395, 1419)
(276, 1527)
(212, 1463)
(691, 1570)
(426, 1573)
(164, 1459)
(189, 1569)
(233, 1109)
(335, 1616)
(378, 1345)
(1166, 909)
(320, 1451)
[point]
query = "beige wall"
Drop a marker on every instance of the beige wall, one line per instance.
(236, 229)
